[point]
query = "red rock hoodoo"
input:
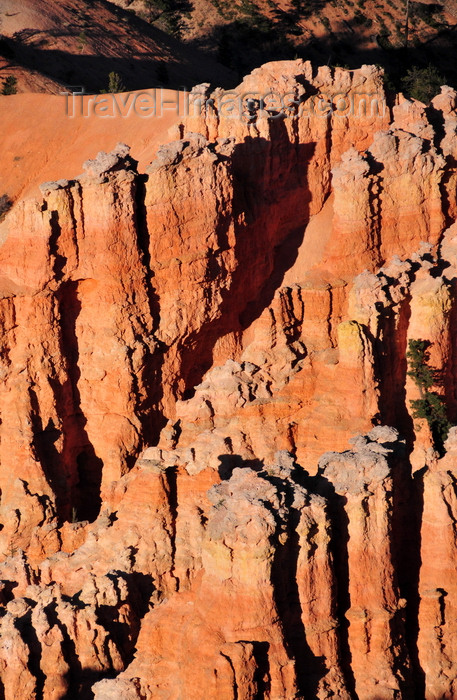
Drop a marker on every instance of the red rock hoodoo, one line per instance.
(200, 496)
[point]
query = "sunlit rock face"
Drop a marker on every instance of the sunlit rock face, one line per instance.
(187, 355)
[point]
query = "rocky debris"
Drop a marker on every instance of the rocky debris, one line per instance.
(48, 187)
(191, 145)
(103, 164)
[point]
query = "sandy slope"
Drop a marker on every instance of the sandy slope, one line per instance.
(49, 44)
(40, 141)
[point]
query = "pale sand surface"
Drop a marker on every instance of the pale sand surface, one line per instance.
(39, 141)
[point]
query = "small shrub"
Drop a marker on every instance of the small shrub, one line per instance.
(171, 14)
(430, 405)
(9, 85)
(426, 12)
(383, 39)
(115, 83)
(82, 40)
(418, 355)
(432, 408)
(358, 18)
(326, 22)
(423, 83)
(388, 82)
(5, 205)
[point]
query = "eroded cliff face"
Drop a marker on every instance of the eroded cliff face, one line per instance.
(179, 349)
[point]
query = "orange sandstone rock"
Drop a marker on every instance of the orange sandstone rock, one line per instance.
(179, 347)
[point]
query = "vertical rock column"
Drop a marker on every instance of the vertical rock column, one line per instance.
(362, 486)
(114, 321)
(410, 200)
(77, 346)
(355, 239)
(431, 302)
(317, 586)
(437, 640)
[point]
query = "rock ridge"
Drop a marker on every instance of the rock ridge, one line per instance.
(186, 354)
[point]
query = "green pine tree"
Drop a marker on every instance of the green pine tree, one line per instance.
(430, 406)
(9, 85)
(423, 83)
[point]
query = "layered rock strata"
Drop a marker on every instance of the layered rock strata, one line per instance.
(179, 347)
